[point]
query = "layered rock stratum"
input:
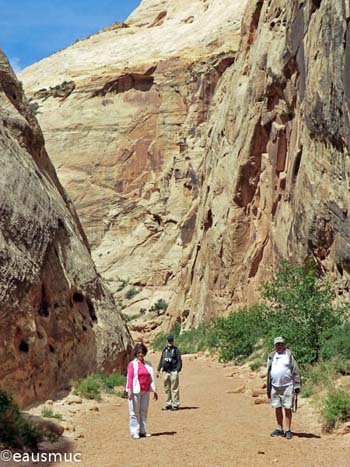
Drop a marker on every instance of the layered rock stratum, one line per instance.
(204, 141)
(58, 320)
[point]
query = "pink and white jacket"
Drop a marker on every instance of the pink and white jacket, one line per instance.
(135, 386)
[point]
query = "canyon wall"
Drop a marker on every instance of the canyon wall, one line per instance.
(58, 320)
(203, 141)
(125, 114)
(276, 170)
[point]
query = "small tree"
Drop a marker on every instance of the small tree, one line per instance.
(35, 108)
(160, 306)
(301, 309)
(131, 293)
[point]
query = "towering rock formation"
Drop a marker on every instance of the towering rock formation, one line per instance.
(58, 321)
(125, 115)
(197, 164)
(277, 170)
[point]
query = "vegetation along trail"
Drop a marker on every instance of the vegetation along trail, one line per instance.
(219, 424)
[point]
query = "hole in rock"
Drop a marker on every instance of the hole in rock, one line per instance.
(78, 297)
(44, 304)
(297, 165)
(91, 310)
(340, 269)
(209, 221)
(24, 346)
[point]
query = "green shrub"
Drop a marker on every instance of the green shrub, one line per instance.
(176, 329)
(89, 388)
(336, 408)
(92, 386)
(318, 374)
(49, 413)
(131, 293)
(307, 391)
(108, 382)
(202, 338)
(239, 333)
(123, 284)
(35, 107)
(322, 376)
(301, 309)
(15, 431)
(338, 344)
(256, 364)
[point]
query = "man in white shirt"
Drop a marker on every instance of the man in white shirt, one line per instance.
(283, 382)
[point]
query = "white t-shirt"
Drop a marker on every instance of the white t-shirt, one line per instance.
(280, 371)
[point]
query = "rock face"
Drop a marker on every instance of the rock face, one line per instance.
(58, 321)
(276, 170)
(195, 163)
(125, 116)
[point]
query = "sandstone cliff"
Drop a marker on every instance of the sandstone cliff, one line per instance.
(58, 321)
(197, 164)
(276, 171)
(125, 115)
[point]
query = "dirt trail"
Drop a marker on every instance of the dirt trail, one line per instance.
(215, 427)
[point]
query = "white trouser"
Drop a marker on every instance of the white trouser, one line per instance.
(138, 408)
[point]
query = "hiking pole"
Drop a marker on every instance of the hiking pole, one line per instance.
(295, 403)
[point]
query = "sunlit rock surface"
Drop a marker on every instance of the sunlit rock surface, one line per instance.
(201, 148)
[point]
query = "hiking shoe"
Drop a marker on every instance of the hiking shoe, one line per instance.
(145, 435)
(135, 436)
(167, 407)
(288, 434)
(174, 408)
(277, 432)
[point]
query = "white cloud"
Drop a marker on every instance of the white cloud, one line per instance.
(16, 64)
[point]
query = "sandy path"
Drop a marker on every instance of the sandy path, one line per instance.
(215, 427)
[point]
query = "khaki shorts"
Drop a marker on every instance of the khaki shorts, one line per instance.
(282, 397)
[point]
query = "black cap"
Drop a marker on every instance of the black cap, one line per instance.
(170, 338)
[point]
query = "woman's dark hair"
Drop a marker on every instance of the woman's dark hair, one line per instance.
(140, 348)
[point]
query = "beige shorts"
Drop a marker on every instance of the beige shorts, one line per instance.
(282, 397)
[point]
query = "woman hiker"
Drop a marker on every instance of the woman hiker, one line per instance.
(140, 382)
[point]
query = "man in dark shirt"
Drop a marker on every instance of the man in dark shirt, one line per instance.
(171, 364)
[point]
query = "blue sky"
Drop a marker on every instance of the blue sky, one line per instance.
(33, 29)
